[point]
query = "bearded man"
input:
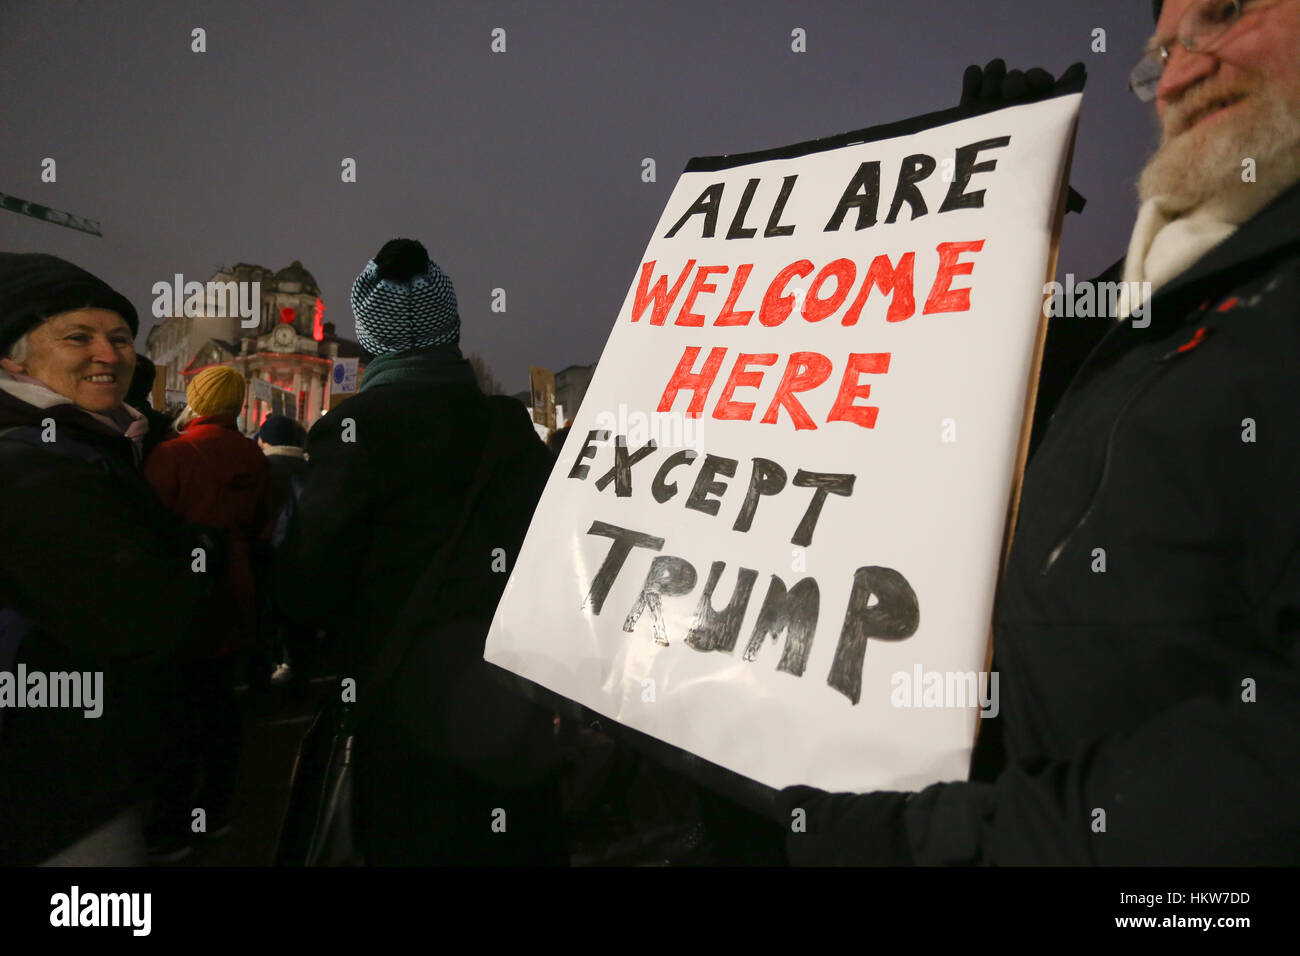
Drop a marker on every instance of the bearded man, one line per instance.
(1151, 703)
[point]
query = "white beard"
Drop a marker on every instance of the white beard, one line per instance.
(1201, 169)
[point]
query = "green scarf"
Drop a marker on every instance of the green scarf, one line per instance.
(435, 365)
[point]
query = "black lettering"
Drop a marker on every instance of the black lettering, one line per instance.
(699, 499)
(787, 185)
(737, 229)
(579, 470)
(624, 542)
(966, 167)
(621, 473)
(794, 612)
(717, 630)
(664, 490)
(915, 168)
(767, 478)
(706, 205)
(668, 576)
(893, 617)
(825, 484)
(863, 191)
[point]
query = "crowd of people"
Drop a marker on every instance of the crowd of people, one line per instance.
(168, 555)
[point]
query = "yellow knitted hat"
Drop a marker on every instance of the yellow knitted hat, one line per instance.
(218, 390)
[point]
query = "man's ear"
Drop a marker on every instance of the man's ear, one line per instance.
(9, 365)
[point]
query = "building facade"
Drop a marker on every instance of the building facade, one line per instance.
(286, 359)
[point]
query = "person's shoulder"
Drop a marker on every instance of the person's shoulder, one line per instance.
(364, 404)
(18, 455)
(1275, 291)
(249, 451)
(511, 413)
(512, 422)
(398, 404)
(171, 449)
(30, 469)
(339, 428)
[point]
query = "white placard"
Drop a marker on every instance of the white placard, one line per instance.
(343, 376)
(858, 461)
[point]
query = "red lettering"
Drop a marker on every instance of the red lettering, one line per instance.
(698, 383)
(686, 316)
(844, 409)
(815, 309)
(942, 298)
(737, 283)
(895, 280)
(726, 409)
(663, 299)
(803, 371)
(776, 308)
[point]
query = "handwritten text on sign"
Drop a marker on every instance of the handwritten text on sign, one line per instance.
(823, 322)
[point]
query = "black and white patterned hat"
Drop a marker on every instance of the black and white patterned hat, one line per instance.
(402, 300)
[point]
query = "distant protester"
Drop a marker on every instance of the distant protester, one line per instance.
(282, 440)
(95, 577)
(420, 476)
(286, 650)
(555, 444)
(137, 396)
(213, 476)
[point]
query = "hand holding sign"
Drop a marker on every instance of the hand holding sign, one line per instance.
(994, 85)
(822, 315)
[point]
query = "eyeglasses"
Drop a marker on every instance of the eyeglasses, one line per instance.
(1201, 26)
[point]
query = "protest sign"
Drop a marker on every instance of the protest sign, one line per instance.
(343, 376)
(284, 402)
(773, 537)
(542, 389)
(158, 394)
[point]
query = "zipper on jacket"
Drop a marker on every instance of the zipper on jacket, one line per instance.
(1140, 386)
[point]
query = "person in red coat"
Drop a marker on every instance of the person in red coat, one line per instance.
(211, 475)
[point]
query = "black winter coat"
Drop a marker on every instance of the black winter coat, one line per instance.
(1151, 710)
(89, 556)
(445, 744)
(284, 469)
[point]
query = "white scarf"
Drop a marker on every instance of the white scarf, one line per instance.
(124, 419)
(1163, 245)
(288, 451)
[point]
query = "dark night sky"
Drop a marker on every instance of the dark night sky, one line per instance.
(518, 170)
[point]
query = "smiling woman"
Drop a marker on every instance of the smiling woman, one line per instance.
(87, 356)
(67, 330)
(85, 548)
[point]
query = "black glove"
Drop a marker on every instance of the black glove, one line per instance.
(995, 85)
(845, 829)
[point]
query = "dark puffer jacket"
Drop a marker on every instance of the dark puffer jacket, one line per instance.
(101, 572)
(1147, 629)
(388, 475)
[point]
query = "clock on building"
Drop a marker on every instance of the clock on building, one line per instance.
(284, 336)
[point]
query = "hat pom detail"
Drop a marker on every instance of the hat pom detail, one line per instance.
(401, 260)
